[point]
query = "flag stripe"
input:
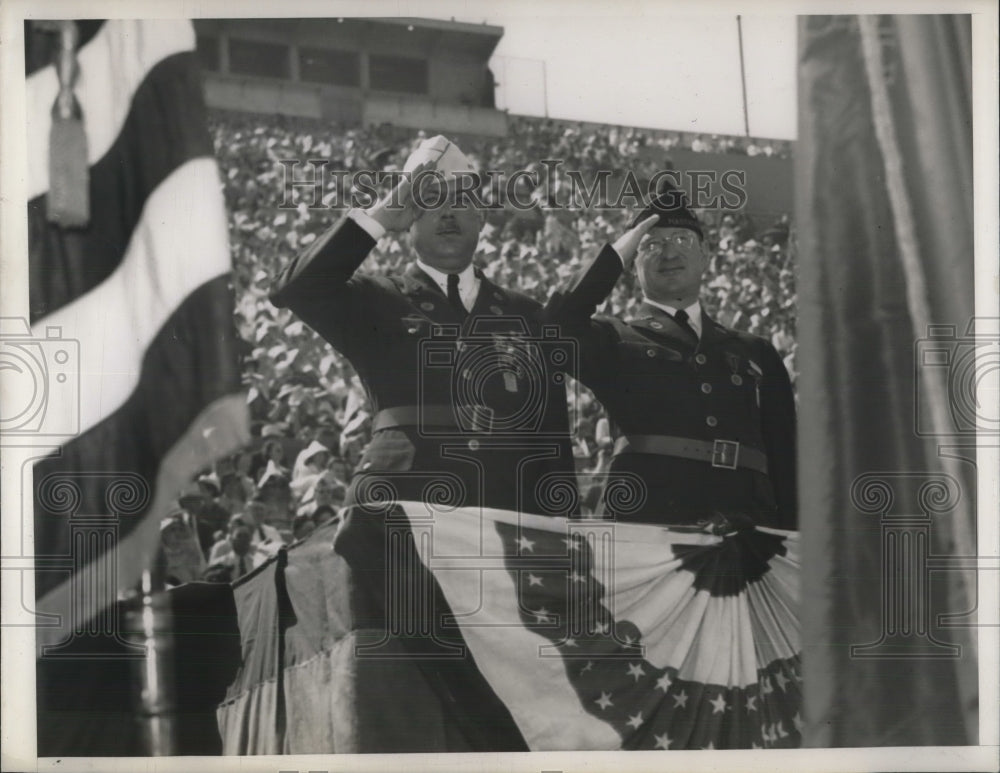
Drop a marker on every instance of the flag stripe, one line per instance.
(112, 68)
(182, 371)
(392, 590)
(218, 429)
(179, 244)
(165, 127)
(557, 720)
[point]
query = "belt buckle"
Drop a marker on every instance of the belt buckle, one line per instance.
(725, 454)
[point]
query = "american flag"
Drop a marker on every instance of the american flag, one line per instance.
(590, 635)
(141, 286)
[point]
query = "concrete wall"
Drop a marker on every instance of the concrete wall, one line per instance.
(346, 106)
(434, 116)
(456, 60)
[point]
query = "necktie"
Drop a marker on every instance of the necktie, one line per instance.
(243, 566)
(453, 297)
(682, 318)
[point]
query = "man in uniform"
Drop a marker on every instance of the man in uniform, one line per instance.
(704, 415)
(467, 400)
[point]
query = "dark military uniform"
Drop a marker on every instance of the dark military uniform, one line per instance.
(707, 426)
(473, 404)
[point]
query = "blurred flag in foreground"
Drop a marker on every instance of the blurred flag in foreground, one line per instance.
(889, 411)
(133, 271)
(475, 630)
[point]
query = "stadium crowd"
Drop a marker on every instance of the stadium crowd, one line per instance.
(309, 414)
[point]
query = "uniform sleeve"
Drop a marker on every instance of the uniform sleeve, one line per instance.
(777, 405)
(573, 309)
(319, 286)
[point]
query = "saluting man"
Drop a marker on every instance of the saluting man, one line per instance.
(704, 415)
(458, 370)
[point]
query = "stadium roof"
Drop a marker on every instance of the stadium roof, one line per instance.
(489, 34)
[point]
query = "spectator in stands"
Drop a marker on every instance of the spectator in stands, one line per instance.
(239, 555)
(276, 496)
(209, 485)
(357, 425)
(207, 517)
(233, 497)
(183, 558)
(235, 467)
(265, 538)
(302, 527)
(270, 459)
(325, 514)
(605, 444)
(327, 491)
(310, 463)
(340, 470)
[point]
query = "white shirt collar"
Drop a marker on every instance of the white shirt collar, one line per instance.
(468, 282)
(693, 311)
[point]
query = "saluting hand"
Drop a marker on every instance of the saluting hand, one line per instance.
(397, 210)
(627, 245)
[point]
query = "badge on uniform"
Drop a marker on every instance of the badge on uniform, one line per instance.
(506, 347)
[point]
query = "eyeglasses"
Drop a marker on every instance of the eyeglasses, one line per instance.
(685, 239)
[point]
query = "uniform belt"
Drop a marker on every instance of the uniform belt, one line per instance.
(425, 415)
(727, 454)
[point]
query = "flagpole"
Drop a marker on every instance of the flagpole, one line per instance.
(152, 622)
(545, 86)
(743, 76)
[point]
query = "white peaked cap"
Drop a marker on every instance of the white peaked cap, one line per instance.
(315, 447)
(448, 156)
(271, 471)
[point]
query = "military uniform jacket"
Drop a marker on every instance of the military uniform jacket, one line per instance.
(654, 378)
(415, 352)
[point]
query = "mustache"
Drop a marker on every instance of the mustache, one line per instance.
(447, 226)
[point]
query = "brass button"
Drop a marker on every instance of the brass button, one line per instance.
(656, 325)
(711, 421)
(737, 379)
(706, 388)
(496, 309)
(412, 330)
(366, 465)
(651, 352)
(473, 445)
(427, 306)
(498, 295)
(701, 359)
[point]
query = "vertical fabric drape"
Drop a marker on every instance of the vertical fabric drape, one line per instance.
(887, 457)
